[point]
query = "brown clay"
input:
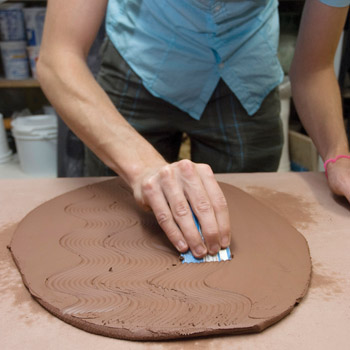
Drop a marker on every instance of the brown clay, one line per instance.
(95, 260)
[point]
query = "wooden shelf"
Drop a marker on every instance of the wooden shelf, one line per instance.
(28, 83)
(26, 0)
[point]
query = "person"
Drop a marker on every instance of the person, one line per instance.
(205, 67)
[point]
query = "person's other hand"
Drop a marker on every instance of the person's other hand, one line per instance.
(170, 189)
(339, 177)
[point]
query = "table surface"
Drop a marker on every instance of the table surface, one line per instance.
(321, 321)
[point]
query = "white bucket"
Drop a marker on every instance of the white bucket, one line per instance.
(12, 22)
(36, 142)
(5, 152)
(15, 60)
(34, 18)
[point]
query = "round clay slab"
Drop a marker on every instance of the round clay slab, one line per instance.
(94, 259)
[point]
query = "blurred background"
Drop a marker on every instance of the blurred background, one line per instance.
(34, 142)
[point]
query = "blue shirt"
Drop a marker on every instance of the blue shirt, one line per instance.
(336, 3)
(181, 48)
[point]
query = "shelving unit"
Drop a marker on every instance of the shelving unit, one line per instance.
(20, 94)
(28, 1)
(28, 83)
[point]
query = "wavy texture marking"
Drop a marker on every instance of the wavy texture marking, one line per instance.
(127, 277)
(110, 270)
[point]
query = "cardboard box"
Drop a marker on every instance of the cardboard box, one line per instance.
(302, 151)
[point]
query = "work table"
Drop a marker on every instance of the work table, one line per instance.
(321, 321)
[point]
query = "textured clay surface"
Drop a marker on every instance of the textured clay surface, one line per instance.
(94, 259)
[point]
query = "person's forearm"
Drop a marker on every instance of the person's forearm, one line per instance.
(88, 111)
(317, 99)
(315, 89)
(165, 189)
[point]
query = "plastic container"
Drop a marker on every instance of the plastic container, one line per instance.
(34, 18)
(5, 152)
(49, 110)
(36, 142)
(33, 55)
(15, 60)
(12, 22)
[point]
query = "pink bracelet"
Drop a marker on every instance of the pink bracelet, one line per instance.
(333, 160)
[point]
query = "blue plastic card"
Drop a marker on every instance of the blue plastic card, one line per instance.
(222, 255)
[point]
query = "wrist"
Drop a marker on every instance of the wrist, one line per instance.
(336, 152)
(137, 172)
(333, 160)
(130, 160)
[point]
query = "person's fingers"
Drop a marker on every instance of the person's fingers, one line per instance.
(218, 201)
(154, 197)
(174, 194)
(201, 205)
(171, 192)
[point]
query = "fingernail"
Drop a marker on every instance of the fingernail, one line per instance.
(201, 250)
(225, 241)
(182, 246)
(214, 249)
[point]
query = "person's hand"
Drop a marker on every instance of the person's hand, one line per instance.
(339, 177)
(169, 190)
